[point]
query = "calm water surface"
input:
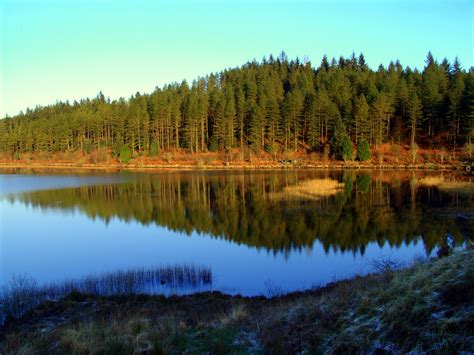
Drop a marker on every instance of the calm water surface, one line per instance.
(257, 231)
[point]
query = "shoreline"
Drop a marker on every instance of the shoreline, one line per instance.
(191, 167)
(396, 310)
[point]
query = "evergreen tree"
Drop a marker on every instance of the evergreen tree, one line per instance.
(274, 105)
(363, 150)
(415, 114)
(361, 124)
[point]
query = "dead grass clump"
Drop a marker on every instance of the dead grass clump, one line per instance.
(311, 189)
(236, 315)
(432, 181)
(443, 184)
(82, 339)
(168, 156)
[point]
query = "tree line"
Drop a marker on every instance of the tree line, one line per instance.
(273, 105)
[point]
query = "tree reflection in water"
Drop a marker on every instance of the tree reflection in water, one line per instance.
(260, 210)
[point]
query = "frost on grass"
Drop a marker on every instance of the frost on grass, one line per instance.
(23, 293)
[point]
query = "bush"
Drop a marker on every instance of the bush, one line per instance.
(363, 150)
(345, 150)
(341, 144)
(154, 149)
(125, 154)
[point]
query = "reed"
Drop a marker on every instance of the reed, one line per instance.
(23, 293)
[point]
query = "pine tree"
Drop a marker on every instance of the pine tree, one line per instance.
(415, 114)
(230, 118)
(363, 150)
(275, 104)
(361, 124)
(456, 91)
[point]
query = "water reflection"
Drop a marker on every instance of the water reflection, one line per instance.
(281, 212)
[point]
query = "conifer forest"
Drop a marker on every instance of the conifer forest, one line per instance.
(273, 105)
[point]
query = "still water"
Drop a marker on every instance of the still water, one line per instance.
(259, 232)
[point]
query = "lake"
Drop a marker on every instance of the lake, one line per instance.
(262, 232)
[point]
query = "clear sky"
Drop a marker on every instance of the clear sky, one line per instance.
(66, 50)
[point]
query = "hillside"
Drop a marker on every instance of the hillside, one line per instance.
(276, 108)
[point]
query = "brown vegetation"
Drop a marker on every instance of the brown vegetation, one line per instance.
(443, 183)
(384, 156)
(310, 189)
(426, 308)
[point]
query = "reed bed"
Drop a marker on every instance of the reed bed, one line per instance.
(23, 293)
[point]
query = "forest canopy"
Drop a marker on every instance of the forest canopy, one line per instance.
(276, 104)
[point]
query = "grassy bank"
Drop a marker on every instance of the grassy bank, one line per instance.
(428, 307)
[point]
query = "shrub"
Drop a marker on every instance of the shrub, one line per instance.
(154, 149)
(363, 150)
(125, 154)
(345, 150)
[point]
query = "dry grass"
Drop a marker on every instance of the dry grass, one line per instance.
(22, 293)
(237, 314)
(310, 189)
(444, 184)
(425, 308)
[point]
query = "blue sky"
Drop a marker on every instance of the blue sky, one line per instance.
(66, 50)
